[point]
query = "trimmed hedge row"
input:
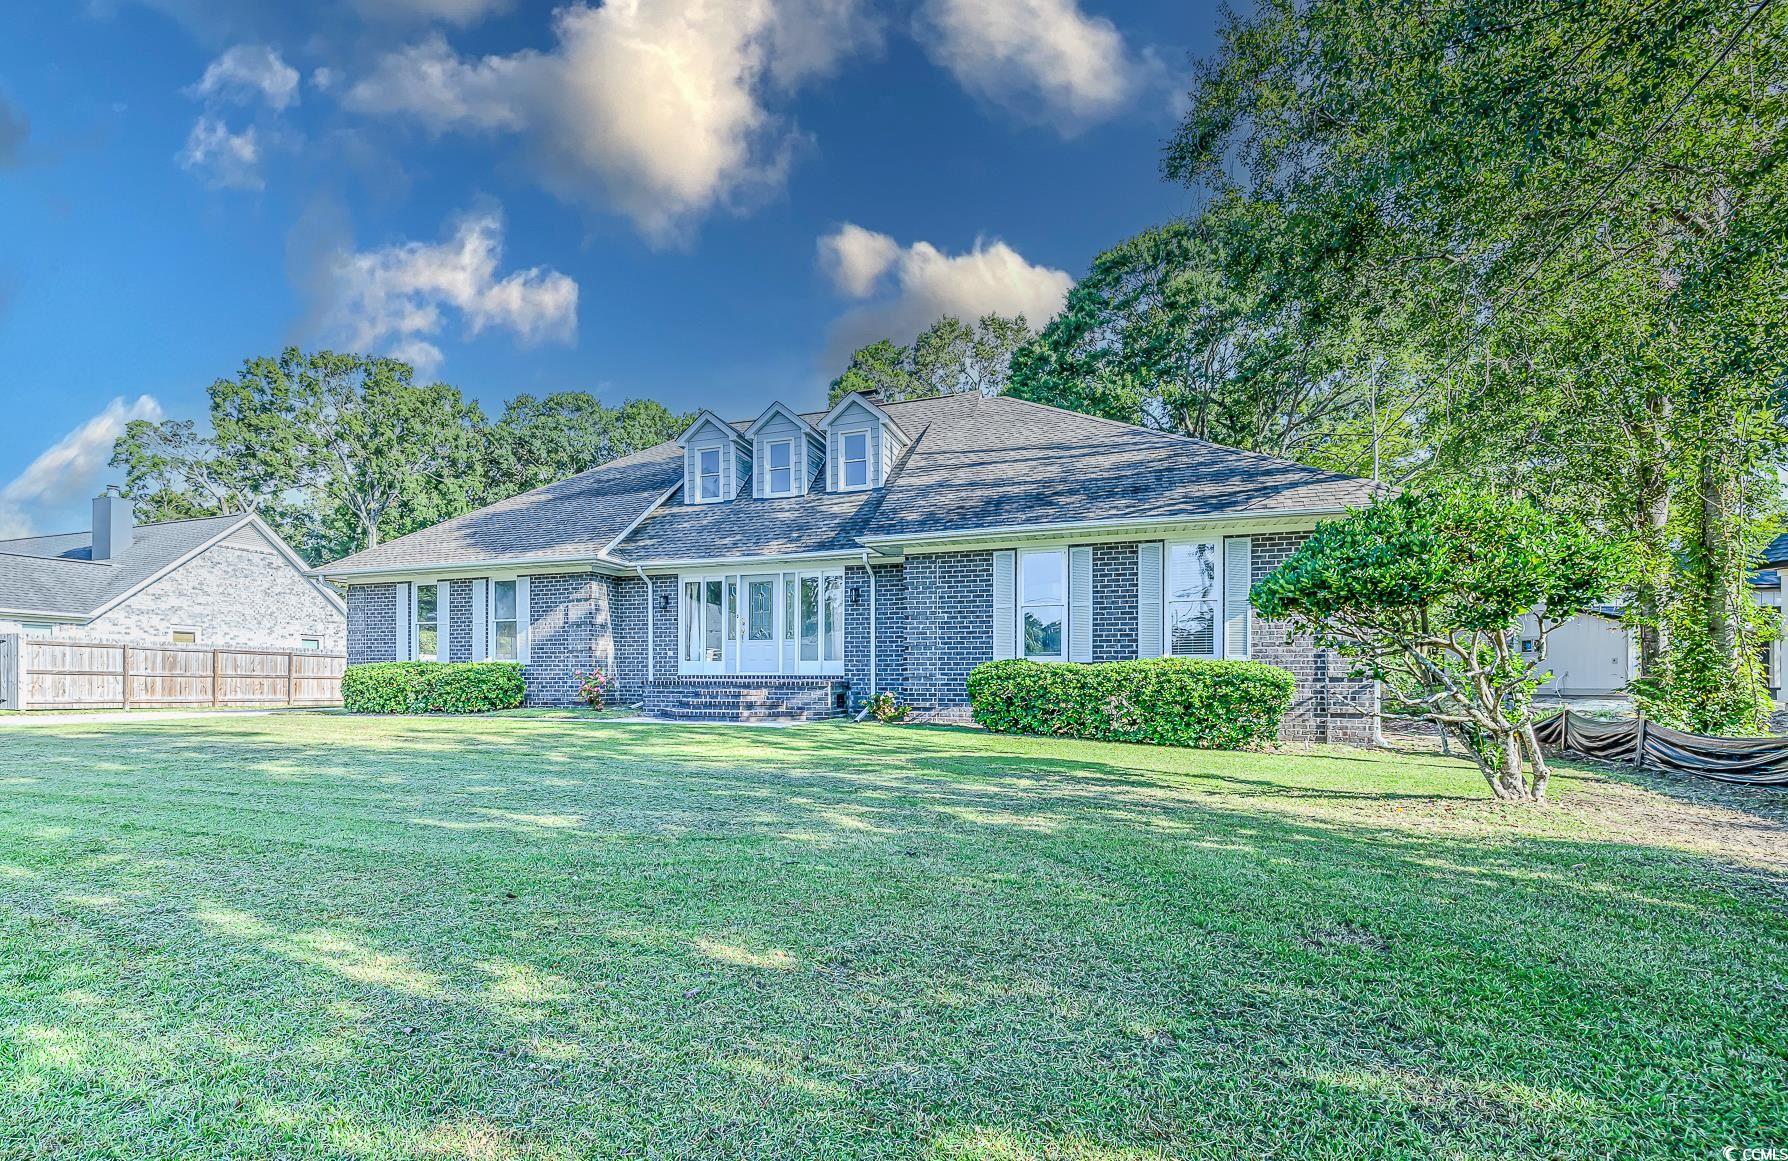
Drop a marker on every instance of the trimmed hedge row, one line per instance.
(432, 687)
(1167, 701)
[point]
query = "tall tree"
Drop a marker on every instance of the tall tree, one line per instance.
(537, 441)
(1575, 223)
(950, 357)
(1185, 328)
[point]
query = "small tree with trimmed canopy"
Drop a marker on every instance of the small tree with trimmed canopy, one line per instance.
(1425, 592)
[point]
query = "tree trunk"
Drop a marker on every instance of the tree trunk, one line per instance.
(1542, 773)
(1651, 518)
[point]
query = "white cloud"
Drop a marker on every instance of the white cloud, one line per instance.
(69, 470)
(927, 284)
(224, 159)
(247, 70)
(656, 109)
(855, 258)
(461, 12)
(1044, 60)
(394, 299)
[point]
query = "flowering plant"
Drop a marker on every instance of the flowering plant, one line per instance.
(593, 686)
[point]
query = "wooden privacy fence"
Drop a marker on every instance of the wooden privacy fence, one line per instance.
(44, 673)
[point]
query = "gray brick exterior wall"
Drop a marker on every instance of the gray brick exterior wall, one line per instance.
(570, 631)
(1114, 604)
(890, 634)
(459, 621)
(240, 592)
(1330, 705)
(933, 626)
(372, 623)
(949, 626)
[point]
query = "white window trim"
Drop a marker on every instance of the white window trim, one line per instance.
(1020, 604)
(719, 454)
(1216, 546)
(174, 630)
(844, 460)
(443, 620)
(794, 467)
(521, 619)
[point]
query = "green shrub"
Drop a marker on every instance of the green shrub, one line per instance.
(432, 687)
(1167, 701)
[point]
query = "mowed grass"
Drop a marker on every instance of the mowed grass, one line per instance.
(540, 936)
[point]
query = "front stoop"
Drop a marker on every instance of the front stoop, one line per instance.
(747, 699)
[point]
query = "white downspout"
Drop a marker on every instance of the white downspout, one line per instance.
(871, 571)
(651, 626)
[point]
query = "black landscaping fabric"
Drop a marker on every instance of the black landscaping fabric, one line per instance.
(1754, 761)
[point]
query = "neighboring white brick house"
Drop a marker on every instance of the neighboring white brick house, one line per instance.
(729, 573)
(219, 581)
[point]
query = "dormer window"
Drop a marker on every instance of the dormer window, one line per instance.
(863, 444)
(708, 474)
(854, 446)
(779, 454)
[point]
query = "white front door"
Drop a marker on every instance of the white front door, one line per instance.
(760, 606)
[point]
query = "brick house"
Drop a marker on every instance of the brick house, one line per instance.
(796, 564)
(221, 581)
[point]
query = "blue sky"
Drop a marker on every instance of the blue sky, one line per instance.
(707, 202)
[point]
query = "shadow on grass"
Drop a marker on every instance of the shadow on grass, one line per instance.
(452, 939)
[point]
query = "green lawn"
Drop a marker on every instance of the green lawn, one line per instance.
(538, 936)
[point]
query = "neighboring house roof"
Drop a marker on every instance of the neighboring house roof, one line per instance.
(1777, 552)
(974, 463)
(55, 576)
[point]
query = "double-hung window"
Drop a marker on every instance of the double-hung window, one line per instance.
(854, 449)
(428, 622)
(1193, 598)
(707, 469)
(780, 454)
(504, 638)
(1043, 604)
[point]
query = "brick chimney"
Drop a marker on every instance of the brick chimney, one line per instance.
(112, 523)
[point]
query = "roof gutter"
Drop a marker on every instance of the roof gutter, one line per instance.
(1116, 524)
(593, 561)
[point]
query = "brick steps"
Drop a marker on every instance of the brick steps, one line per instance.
(746, 699)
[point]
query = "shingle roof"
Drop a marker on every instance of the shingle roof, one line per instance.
(973, 463)
(55, 575)
(572, 519)
(1777, 551)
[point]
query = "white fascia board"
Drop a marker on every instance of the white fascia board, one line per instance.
(754, 563)
(709, 419)
(1148, 527)
(778, 407)
(448, 570)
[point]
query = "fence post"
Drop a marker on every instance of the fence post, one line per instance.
(291, 668)
(1639, 745)
(124, 678)
(214, 679)
(12, 676)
